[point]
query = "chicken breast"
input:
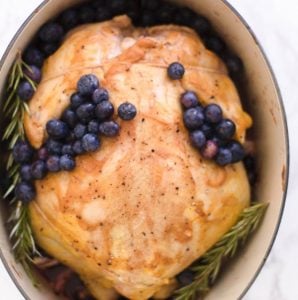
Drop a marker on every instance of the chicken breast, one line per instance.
(146, 205)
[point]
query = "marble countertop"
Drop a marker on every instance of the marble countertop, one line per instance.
(276, 25)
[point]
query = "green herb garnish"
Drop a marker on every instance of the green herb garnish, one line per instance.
(14, 109)
(208, 267)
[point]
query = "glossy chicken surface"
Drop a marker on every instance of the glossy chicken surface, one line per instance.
(146, 205)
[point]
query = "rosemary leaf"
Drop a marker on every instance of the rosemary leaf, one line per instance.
(16, 84)
(10, 129)
(19, 67)
(10, 162)
(25, 65)
(9, 191)
(13, 170)
(26, 107)
(208, 266)
(14, 110)
(16, 178)
(8, 101)
(13, 141)
(31, 82)
(12, 76)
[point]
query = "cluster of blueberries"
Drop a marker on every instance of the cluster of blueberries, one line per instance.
(142, 12)
(77, 132)
(210, 133)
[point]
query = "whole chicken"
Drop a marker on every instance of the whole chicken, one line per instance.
(146, 205)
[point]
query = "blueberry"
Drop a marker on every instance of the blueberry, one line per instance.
(87, 84)
(150, 5)
(213, 113)
(176, 71)
(25, 192)
(69, 19)
(68, 149)
(249, 163)
(25, 90)
(53, 163)
(207, 129)
(49, 48)
(184, 16)
(39, 169)
(102, 14)
(57, 129)
(100, 95)
(193, 118)
(219, 142)
(117, 6)
(252, 177)
(25, 172)
(90, 142)
(76, 100)
(189, 99)
(51, 32)
(210, 149)
(67, 162)
(127, 111)
(234, 64)
(110, 128)
(80, 130)
(133, 13)
(34, 73)
(201, 25)
(224, 157)
(148, 19)
(71, 137)
(42, 153)
(70, 117)
(22, 152)
(86, 14)
(225, 129)
(186, 277)
(215, 44)
(93, 127)
(166, 13)
(53, 146)
(198, 139)
(97, 4)
(85, 112)
(237, 150)
(33, 56)
(78, 148)
(104, 110)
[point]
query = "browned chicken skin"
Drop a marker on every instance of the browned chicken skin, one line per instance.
(146, 205)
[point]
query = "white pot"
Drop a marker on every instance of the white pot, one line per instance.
(270, 128)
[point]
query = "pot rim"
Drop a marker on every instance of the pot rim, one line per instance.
(285, 126)
(286, 135)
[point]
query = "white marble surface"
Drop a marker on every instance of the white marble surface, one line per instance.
(275, 23)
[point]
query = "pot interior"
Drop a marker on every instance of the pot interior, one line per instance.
(262, 100)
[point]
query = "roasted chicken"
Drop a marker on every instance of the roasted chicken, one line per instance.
(145, 206)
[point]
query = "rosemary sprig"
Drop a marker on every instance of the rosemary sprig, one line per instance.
(208, 266)
(14, 109)
(24, 247)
